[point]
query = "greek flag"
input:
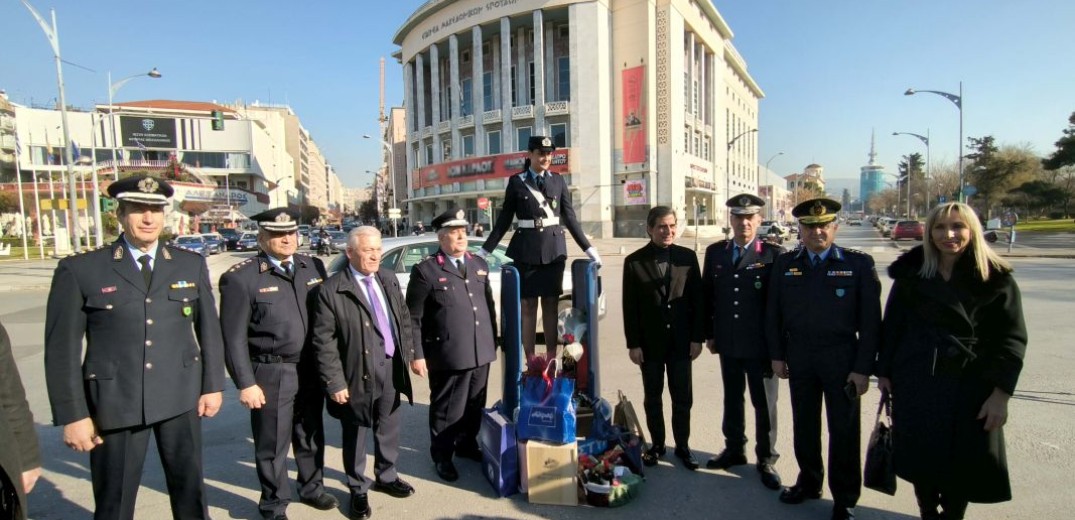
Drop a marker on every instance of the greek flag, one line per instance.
(18, 146)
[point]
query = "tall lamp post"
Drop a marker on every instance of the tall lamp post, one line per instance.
(772, 199)
(958, 101)
(53, 35)
(112, 89)
(925, 140)
(390, 168)
(728, 180)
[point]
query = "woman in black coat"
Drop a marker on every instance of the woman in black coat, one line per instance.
(953, 340)
(20, 455)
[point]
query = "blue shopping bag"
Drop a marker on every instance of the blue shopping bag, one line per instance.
(546, 411)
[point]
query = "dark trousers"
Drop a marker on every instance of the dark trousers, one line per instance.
(9, 500)
(385, 428)
(739, 375)
(816, 374)
(929, 497)
(680, 388)
(456, 400)
(291, 416)
(116, 467)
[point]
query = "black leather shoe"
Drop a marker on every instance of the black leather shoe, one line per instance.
(652, 455)
(397, 488)
(843, 513)
(798, 494)
(360, 507)
(687, 458)
(769, 477)
(446, 471)
(274, 516)
(474, 453)
(324, 502)
(725, 460)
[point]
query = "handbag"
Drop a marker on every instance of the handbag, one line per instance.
(624, 415)
(546, 410)
(879, 473)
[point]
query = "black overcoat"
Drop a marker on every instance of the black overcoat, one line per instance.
(19, 450)
(536, 246)
(663, 313)
(937, 388)
(735, 297)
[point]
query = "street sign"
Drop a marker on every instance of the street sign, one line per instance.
(394, 213)
(483, 203)
(969, 191)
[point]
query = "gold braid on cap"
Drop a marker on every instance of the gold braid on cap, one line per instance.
(818, 209)
(148, 185)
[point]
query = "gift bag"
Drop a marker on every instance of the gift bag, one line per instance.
(546, 411)
(880, 471)
(625, 416)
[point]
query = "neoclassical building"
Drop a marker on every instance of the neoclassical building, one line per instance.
(642, 97)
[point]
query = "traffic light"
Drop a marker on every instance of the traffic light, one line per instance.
(218, 120)
(107, 204)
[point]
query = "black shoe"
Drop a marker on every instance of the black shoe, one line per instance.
(397, 488)
(274, 516)
(725, 460)
(324, 502)
(446, 471)
(474, 453)
(769, 477)
(360, 507)
(687, 458)
(843, 513)
(652, 455)
(798, 494)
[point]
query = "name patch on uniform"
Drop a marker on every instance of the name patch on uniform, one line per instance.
(482, 272)
(756, 265)
(268, 289)
(109, 289)
(182, 285)
(794, 271)
(314, 281)
(841, 273)
(442, 279)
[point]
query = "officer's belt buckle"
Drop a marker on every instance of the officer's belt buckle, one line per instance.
(539, 224)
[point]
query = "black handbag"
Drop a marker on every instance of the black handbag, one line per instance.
(880, 471)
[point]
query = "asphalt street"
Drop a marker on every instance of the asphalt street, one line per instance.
(1039, 433)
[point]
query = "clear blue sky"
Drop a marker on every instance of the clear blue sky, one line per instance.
(831, 71)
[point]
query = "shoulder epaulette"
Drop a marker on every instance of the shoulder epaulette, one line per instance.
(239, 265)
(854, 251)
(92, 249)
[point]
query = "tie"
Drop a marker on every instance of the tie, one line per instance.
(147, 271)
(286, 265)
(815, 260)
(540, 182)
(736, 255)
(462, 269)
(382, 317)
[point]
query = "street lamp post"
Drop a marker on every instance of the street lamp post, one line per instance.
(390, 168)
(925, 140)
(772, 199)
(112, 89)
(958, 101)
(728, 180)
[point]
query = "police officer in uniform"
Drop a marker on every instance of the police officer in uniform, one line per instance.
(736, 284)
(263, 311)
(540, 200)
(454, 324)
(823, 321)
(154, 358)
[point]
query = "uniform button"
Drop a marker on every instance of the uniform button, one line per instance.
(365, 377)
(735, 276)
(367, 351)
(109, 306)
(93, 376)
(476, 323)
(149, 343)
(475, 308)
(668, 326)
(186, 299)
(669, 305)
(470, 294)
(735, 303)
(736, 289)
(149, 321)
(367, 324)
(466, 281)
(196, 358)
(149, 366)
(736, 316)
(149, 300)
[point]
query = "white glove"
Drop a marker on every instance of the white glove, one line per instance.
(481, 253)
(592, 253)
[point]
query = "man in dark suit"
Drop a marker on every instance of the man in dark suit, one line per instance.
(736, 282)
(454, 328)
(663, 321)
(362, 336)
(154, 358)
(264, 317)
(20, 455)
(823, 320)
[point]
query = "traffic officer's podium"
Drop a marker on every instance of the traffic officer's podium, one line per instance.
(585, 291)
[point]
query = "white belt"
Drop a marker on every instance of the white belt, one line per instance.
(539, 223)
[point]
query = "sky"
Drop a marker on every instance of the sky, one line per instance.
(832, 71)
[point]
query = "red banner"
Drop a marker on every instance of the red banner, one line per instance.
(475, 168)
(634, 115)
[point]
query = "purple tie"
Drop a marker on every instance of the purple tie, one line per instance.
(382, 317)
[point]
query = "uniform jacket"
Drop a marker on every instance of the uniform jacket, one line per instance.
(453, 319)
(937, 387)
(735, 297)
(536, 246)
(348, 343)
(834, 305)
(262, 311)
(662, 313)
(150, 352)
(19, 450)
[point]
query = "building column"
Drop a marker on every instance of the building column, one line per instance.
(454, 90)
(539, 74)
(591, 118)
(410, 161)
(420, 105)
(478, 89)
(507, 130)
(434, 81)
(550, 65)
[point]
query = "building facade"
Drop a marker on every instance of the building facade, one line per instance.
(637, 94)
(871, 178)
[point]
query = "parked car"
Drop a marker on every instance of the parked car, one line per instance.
(231, 238)
(911, 229)
(192, 242)
(215, 243)
(337, 241)
(247, 242)
(854, 222)
(885, 225)
(782, 231)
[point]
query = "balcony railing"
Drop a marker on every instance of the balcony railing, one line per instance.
(413, 136)
(557, 108)
(522, 112)
(444, 126)
(466, 121)
(491, 116)
(427, 131)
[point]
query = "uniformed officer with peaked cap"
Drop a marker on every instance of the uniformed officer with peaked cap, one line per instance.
(735, 277)
(265, 321)
(451, 306)
(823, 321)
(154, 360)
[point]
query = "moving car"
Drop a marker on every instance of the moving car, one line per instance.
(214, 243)
(337, 241)
(854, 222)
(247, 242)
(911, 229)
(192, 242)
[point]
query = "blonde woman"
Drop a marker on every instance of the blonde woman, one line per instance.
(953, 340)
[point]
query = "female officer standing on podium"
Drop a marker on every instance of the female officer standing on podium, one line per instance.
(540, 200)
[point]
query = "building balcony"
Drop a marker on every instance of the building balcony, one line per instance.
(466, 121)
(413, 136)
(491, 116)
(557, 108)
(522, 112)
(427, 131)
(444, 126)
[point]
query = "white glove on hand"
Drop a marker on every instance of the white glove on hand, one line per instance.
(592, 253)
(481, 253)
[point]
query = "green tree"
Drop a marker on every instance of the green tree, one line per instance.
(994, 171)
(9, 202)
(917, 168)
(1064, 155)
(1035, 197)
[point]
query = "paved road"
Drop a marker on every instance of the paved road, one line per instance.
(1039, 435)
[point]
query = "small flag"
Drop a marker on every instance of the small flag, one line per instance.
(76, 152)
(141, 146)
(18, 146)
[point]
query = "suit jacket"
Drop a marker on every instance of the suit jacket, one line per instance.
(453, 318)
(536, 246)
(348, 343)
(19, 450)
(151, 352)
(264, 312)
(663, 315)
(735, 296)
